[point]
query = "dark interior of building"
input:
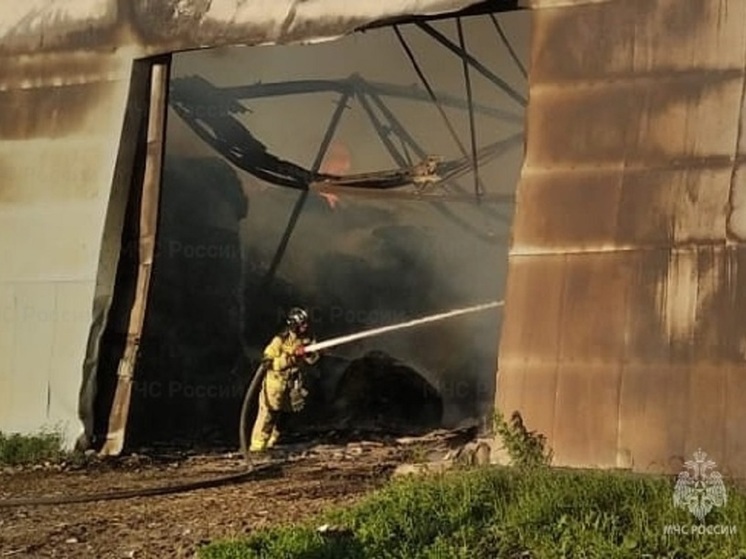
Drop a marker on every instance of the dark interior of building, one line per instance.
(242, 238)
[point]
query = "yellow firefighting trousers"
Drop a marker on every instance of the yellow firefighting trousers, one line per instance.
(272, 402)
(275, 397)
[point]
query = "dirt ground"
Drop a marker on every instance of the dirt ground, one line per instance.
(308, 481)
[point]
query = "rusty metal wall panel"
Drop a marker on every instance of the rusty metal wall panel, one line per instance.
(631, 203)
(584, 430)
(539, 396)
(637, 122)
(589, 203)
(533, 341)
(735, 419)
(678, 206)
(654, 407)
(594, 307)
(642, 39)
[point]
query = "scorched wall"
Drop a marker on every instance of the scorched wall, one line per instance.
(625, 333)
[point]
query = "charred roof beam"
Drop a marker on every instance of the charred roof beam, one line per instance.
(298, 208)
(478, 66)
(478, 9)
(478, 191)
(508, 46)
(230, 138)
(452, 170)
(350, 85)
(421, 75)
(399, 159)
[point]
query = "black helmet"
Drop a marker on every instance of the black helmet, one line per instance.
(296, 317)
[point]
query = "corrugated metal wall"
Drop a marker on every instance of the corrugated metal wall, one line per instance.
(625, 332)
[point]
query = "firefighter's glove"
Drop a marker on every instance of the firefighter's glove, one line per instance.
(300, 351)
(298, 395)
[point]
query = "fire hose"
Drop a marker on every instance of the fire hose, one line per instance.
(254, 387)
(251, 470)
(245, 475)
(248, 400)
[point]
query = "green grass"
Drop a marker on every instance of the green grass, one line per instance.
(16, 449)
(506, 513)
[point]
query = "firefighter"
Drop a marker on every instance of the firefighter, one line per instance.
(281, 388)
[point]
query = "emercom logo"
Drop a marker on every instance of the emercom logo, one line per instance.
(699, 489)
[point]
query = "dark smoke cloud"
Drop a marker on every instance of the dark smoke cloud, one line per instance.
(364, 262)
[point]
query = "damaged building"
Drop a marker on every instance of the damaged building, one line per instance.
(174, 174)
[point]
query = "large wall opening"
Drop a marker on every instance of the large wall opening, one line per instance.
(240, 240)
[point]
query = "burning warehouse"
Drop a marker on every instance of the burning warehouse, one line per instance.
(374, 241)
(161, 209)
(370, 190)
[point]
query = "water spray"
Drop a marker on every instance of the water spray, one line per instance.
(251, 393)
(402, 325)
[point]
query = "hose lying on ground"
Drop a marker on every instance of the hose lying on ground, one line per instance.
(251, 471)
(255, 472)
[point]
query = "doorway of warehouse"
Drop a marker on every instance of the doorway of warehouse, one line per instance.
(411, 137)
